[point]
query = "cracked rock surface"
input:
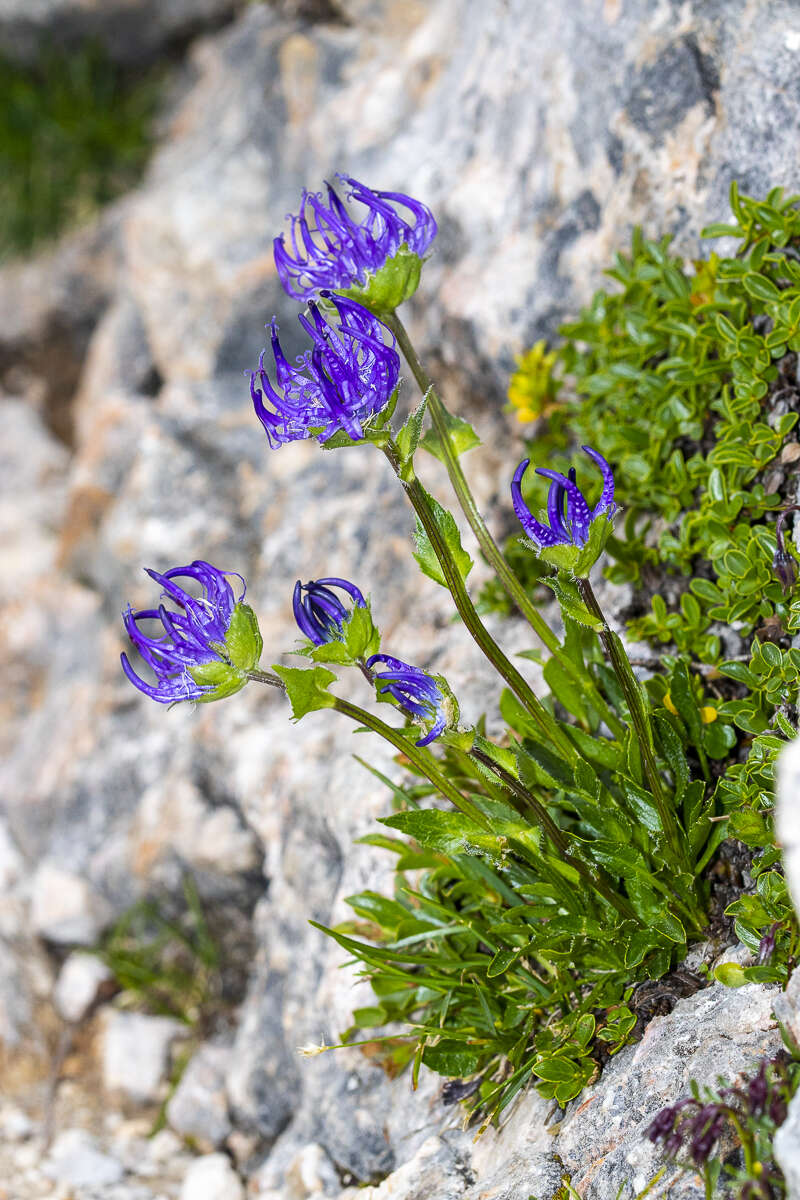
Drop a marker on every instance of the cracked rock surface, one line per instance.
(538, 134)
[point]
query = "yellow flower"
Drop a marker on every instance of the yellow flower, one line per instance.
(532, 388)
(707, 712)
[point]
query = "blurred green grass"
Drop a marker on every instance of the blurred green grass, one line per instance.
(76, 131)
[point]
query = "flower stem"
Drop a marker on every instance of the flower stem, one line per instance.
(422, 760)
(489, 547)
(265, 677)
(466, 609)
(594, 878)
(640, 721)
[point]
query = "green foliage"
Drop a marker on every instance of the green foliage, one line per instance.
(168, 965)
(685, 378)
(76, 133)
(516, 933)
(306, 689)
(462, 438)
(425, 553)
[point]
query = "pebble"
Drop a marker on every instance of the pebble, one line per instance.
(80, 981)
(136, 1053)
(199, 1107)
(76, 1160)
(212, 1177)
(64, 908)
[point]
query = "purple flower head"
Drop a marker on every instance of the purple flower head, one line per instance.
(192, 633)
(758, 1090)
(320, 614)
(567, 511)
(347, 377)
(329, 249)
(705, 1130)
(783, 564)
(414, 691)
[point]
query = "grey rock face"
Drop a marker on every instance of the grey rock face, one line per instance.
(787, 1149)
(131, 31)
(198, 1108)
(538, 134)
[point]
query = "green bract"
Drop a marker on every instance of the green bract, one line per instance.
(388, 287)
(240, 653)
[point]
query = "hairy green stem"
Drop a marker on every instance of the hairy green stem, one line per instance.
(630, 687)
(265, 677)
(594, 878)
(466, 609)
(489, 547)
(424, 762)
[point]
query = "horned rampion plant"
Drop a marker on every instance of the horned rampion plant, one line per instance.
(542, 875)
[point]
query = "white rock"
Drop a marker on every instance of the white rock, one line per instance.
(64, 908)
(79, 982)
(76, 1160)
(12, 864)
(787, 816)
(165, 1147)
(15, 1125)
(311, 1173)
(212, 1178)
(787, 1148)
(199, 1107)
(136, 1053)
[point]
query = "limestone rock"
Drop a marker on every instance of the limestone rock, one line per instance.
(76, 1160)
(538, 134)
(787, 817)
(80, 981)
(132, 32)
(136, 1053)
(64, 907)
(787, 1150)
(198, 1108)
(212, 1178)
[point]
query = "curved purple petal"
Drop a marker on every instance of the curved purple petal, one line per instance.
(606, 501)
(578, 516)
(414, 690)
(535, 529)
(320, 614)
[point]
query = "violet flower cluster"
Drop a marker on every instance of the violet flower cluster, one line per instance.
(567, 510)
(191, 636)
(346, 378)
(328, 249)
(415, 691)
(320, 614)
(695, 1126)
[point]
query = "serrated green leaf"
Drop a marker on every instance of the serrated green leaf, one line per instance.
(502, 960)
(306, 688)
(425, 554)
(461, 434)
(445, 832)
(407, 439)
(361, 638)
(570, 601)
